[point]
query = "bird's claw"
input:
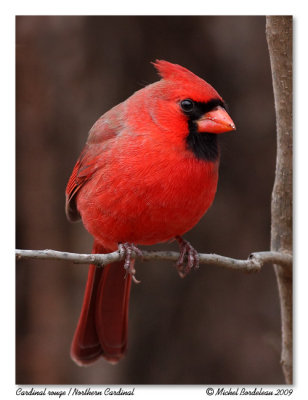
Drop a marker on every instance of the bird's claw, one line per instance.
(188, 252)
(126, 250)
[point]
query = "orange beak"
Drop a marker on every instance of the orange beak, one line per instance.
(216, 121)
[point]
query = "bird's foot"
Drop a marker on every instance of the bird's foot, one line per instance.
(126, 250)
(192, 257)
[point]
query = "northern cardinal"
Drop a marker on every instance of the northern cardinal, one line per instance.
(147, 174)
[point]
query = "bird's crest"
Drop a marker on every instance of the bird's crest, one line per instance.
(185, 82)
(167, 70)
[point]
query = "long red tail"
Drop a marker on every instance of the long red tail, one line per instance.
(102, 326)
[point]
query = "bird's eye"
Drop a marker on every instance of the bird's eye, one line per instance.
(187, 105)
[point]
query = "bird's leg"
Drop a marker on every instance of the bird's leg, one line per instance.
(126, 250)
(186, 250)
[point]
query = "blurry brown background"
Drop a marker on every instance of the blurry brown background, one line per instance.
(215, 326)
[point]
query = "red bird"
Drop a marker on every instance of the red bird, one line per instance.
(147, 175)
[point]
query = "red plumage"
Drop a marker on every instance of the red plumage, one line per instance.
(140, 180)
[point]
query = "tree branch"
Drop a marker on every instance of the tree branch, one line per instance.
(279, 39)
(253, 264)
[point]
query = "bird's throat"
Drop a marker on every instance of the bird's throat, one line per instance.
(204, 145)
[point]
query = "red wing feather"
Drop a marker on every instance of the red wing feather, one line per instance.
(71, 189)
(82, 173)
(104, 130)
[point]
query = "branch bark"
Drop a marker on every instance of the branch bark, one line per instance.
(279, 39)
(254, 262)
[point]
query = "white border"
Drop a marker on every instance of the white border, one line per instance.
(7, 76)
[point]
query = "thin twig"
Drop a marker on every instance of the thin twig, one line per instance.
(254, 262)
(279, 38)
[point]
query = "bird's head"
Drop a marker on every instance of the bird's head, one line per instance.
(186, 105)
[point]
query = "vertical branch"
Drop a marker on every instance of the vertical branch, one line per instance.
(279, 39)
